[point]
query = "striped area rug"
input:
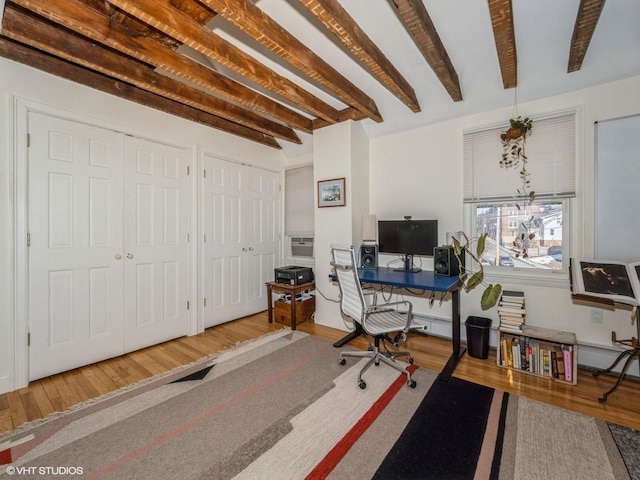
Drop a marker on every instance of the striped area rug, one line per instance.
(281, 407)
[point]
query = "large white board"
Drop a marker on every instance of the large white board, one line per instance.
(617, 199)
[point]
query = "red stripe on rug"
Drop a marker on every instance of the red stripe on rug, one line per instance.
(210, 413)
(337, 453)
(5, 456)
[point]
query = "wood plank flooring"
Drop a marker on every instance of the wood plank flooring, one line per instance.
(59, 392)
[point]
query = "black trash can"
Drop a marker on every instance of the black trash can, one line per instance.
(478, 336)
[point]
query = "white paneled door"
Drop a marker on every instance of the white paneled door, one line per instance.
(108, 247)
(240, 226)
(156, 278)
(263, 235)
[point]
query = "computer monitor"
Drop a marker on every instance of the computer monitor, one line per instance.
(408, 238)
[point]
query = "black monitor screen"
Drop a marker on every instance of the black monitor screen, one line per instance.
(408, 237)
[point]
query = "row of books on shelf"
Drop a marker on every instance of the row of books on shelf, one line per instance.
(531, 355)
(511, 310)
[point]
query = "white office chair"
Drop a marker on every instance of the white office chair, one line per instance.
(376, 320)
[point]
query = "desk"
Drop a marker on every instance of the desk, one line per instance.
(290, 289)
(422, 280)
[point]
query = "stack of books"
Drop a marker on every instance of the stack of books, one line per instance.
(511, 311)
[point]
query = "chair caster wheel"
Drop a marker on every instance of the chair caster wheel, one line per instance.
(342, 361)
(362, 384)
(603, 398)
(409, 360)
(412, 384)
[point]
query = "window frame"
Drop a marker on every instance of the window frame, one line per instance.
(534, 276)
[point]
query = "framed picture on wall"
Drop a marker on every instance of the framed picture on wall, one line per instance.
(332, 193)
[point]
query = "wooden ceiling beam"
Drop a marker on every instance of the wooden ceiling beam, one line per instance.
(505, 37)
(86, 21)
(416, 20)
(333, 16)
(53, 40)
(346, 114)
(257, 24)
(586, 21)
(161, 15)
(60, 68)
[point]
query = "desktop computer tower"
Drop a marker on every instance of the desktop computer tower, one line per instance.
(445, 262)
(369, 255)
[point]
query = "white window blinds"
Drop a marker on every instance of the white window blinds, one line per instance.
(299, 201)
(551, 152)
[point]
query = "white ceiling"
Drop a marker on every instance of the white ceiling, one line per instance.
(543, 31)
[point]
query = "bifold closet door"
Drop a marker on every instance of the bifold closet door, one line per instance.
(75, 254)
(240, 227)
(224, 247)
(108, 255)
(263, 235)
(156, 248)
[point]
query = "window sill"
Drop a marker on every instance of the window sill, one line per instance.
(556, 279)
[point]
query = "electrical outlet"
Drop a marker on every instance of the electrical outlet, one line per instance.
(596, 315)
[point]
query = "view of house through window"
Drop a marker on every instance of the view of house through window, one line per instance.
(537, 228)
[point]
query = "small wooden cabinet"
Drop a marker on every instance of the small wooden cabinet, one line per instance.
(540, 351)
(294, 311)
(304, 311)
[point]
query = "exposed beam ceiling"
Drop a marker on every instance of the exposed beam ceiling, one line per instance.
(75, 73)
(251, 20)
(273, 78)
(81, 19)
(187, 31)
(345, 29)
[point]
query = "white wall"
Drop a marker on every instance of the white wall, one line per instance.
(83, 103)
(420, 173)
(339, 151)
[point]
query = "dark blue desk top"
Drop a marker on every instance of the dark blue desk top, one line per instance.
(423, 280)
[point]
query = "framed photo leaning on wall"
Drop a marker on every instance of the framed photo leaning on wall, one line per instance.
(332, 193)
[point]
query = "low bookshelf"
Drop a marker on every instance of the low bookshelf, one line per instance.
(540, 351)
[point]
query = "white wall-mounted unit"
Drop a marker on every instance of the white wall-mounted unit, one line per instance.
(302, 247)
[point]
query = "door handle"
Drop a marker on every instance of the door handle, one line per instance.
(118, 256)
(129, 256)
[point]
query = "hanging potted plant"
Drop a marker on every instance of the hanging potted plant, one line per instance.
(513, 156)
(513, 141)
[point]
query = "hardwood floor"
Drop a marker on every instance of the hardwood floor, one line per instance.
(59, 392)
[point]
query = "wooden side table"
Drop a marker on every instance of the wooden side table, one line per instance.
(275, 287)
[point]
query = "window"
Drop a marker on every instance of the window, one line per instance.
(522, 234)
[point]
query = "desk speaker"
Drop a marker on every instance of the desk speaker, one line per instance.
(369, 255)
(445, 262)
